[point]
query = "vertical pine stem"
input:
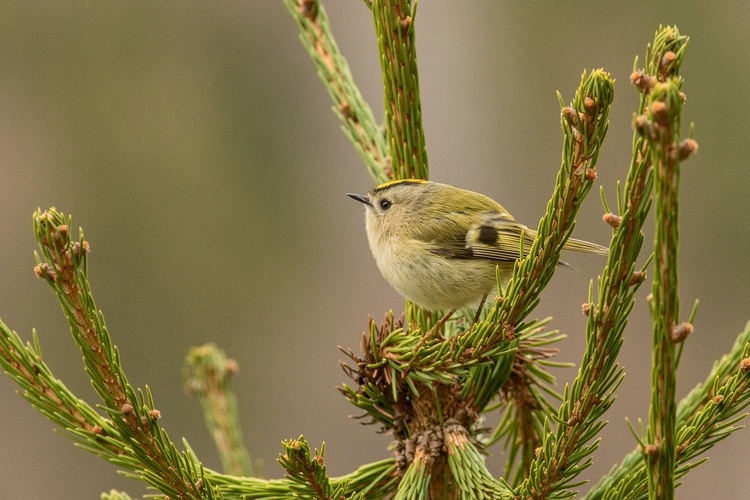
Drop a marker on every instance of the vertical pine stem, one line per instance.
(661, 127)
(664, 299)
(394, 27)
(207, 374)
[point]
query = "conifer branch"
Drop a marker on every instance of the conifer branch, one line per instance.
(708, 414)
(394, 28)
(207, 374)
(355, 115)
(584, 123)
(374, 481)
(307, 472)
(660, 126)
(136, 432)
(567, 450)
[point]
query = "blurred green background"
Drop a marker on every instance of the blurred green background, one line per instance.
(195, 145)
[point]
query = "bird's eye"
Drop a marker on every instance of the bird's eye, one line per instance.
(385, 204)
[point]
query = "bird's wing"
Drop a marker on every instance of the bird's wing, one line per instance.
(499, 238)
(496, 237)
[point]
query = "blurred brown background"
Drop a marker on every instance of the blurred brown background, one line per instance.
(195, 145)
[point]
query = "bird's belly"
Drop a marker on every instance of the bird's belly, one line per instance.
(435, 282)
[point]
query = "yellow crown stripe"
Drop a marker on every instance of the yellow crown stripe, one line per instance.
(389, 184)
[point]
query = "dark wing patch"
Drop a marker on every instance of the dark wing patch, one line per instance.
(488, 235)
(506, 244)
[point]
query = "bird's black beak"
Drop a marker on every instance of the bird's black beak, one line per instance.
(360, 198)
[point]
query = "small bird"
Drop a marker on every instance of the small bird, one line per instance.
(439, 246)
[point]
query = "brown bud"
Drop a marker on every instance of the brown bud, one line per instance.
(687, 148)
(642, 81)
(586, 308)
(509, 331)
(591, 174)
(232, 367)
(679, 332)
(612, 219)
(570, 114)
(155, 414)
(641, 124)
(127, 409)
(745, 365)
(589, 103)
(659, 110)
(651, 450)
(406, 24)
(345, 109)
(667, 59)
(718, 399)
(307, 9)
(45, 271)
(636, 277)
(97, 429)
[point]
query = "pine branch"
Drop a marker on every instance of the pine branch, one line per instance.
(374, 481)
(394, 28)
(24, 364)
(661, 129)
(705, 416)
(427, 390)
(567, 450)
(307, 472)
(469, 470)
(141, 453)
(207, 373)
(133, 427)
(355, 115)
(584, 125)
(526, 397)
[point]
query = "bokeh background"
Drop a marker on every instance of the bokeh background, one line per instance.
(195, 145)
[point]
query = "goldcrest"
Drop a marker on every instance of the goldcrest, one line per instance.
(439, 246)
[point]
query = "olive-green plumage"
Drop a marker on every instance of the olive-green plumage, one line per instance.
(439, 246)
